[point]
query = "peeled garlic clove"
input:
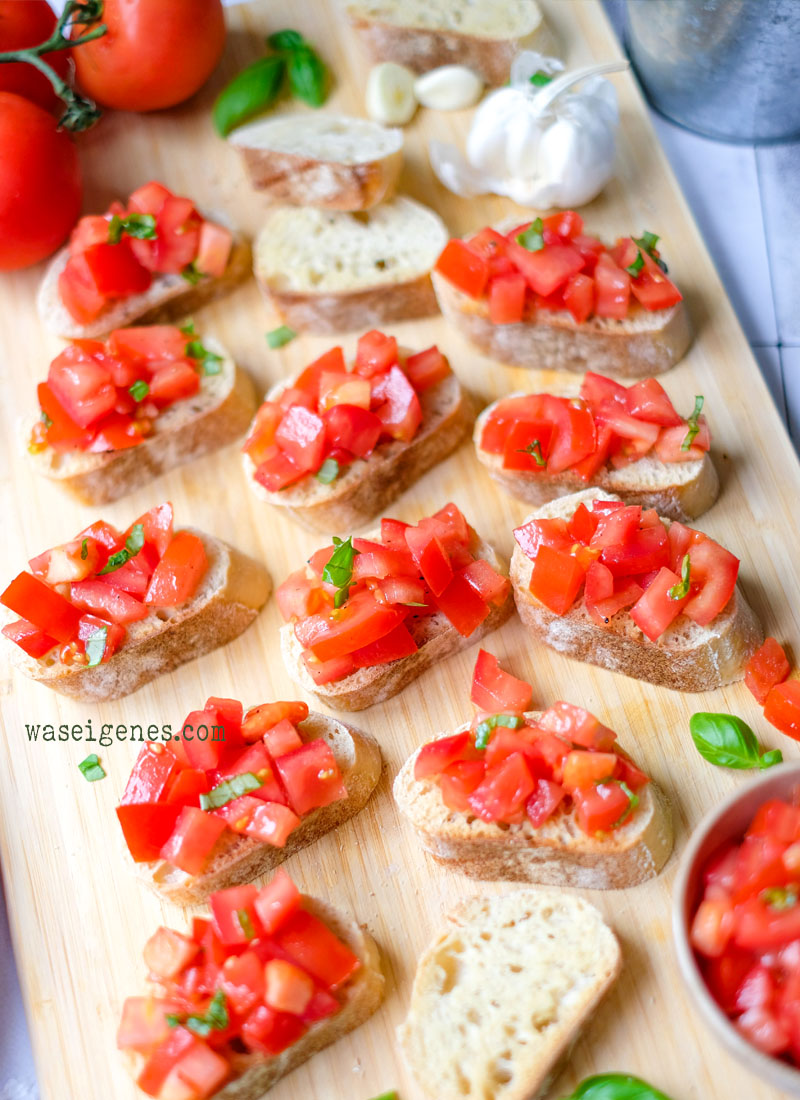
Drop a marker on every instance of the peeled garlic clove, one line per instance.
(449, 88)
(390, 97)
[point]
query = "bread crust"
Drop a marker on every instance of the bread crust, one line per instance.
(307, 181)
(701, 660)
(545, 340)
(230, 596)
(368, 486)
(169, 297)
(434, 634)
(558, 853)
(239, 859)
(678, 490)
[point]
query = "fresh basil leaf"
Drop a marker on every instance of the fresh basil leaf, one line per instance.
(133, 544)
(192, 274)
(278, 337)
(245, 923)
(308, 77)
(229, 790)
(540, 78)
(770, 759)
(286, 40)
(208, 360)
(84, 550)
(724, 740)
(693, 423)
(637, 265)
(534, 449)
(483, 730)
(532, 238)
(215, 1019)
(48, 423)
(328, 471)
(616, 1086)
(633, 801)
(139, 390)
(681, 590)
(140, 226)
(648, 242)
(339, 570)
(188, 329)
(252, 90)
(95, 646)
(91, 769)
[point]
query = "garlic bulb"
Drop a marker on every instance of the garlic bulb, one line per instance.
(543, 143)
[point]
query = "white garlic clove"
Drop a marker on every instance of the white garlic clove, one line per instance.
(390, 97)
(449, 88)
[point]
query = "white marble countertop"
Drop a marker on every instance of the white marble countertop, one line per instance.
(746, 201)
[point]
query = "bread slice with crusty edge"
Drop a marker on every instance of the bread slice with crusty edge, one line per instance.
(229, 597)
(368, 486)
(686, 657)
(678, 490)
(436, 637)
(558, 853)
(328, 271)
(360, 997)
(330, 161)
(167, 299)
(502, 993)
(484, 35)
(644, 344)
(216, 415)
(238, 859)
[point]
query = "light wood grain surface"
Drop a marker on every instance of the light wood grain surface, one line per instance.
(78, 916)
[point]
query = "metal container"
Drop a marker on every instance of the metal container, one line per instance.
(729, 69)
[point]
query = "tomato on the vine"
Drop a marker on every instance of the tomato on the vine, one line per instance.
(23, 25)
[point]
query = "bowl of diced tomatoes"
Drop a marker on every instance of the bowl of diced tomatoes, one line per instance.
(736, 924)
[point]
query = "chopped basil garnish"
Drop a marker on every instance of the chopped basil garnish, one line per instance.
(328, 471)
(215, 1019)
(633, 800)
(484, 729)
(540, 78)
(693, 423)
(188, 329)
(680, 590)
(532, 238)
(91, 769)
(535, 451)
(616, 1086)
(648, 242)
(728, 742)
(245, 923)
(278, 337)
(208, 360)
(229, 790)
(140, 226)
(637, 265)
(191, 274)
(139, 390)
(781, 897)
(95, 646)
(48, 423)
(339, 570)
(133, 544)
(84, 550)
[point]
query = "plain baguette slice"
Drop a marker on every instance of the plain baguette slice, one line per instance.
(168, 298)
(678, 490)
(216, 415)
(558, 853)
(329, 161)
(686, 657)
(231, 594)
(239, 859)
(644, 344)
(502, 993)
(436, 637)
(368, 486)
(328, 271)
(484, 35)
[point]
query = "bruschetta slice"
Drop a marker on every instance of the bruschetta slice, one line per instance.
(234, 793)
(366, 616)
(625, 440)
(618, 586)
(544, 797)
(155, 258)
(114, 415)
(110, 610)
(548, 296)
(334, 447)
(284, 975)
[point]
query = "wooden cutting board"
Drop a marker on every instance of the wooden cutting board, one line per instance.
(79, 918)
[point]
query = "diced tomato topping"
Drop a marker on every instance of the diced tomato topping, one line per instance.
(178, 574)
(782, 708)
(464, 268)
(311, 944)
(549, 268)
(767, 667)
(276, 902)
(495, 690)
(507, 298)
(147, 827)
(192, 841)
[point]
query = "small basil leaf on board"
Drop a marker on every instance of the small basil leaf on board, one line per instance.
(308, 77)
(254, 89)
(728, 742)
(91, 769)
(278, 337)
(616, 1086)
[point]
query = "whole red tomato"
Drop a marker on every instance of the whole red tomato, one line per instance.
(40, 183)
(28, 24)
(155, 54)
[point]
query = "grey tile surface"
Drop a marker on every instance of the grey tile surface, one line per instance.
(779, 179)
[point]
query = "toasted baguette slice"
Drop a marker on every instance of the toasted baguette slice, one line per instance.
(167, 299)
(216, 415)
(327, 271)
(502, 993)
(329, 161)
(360, 996)
(368, 486)
(645, 343)
(484, 35)
(237, 859)
(686, 657)
(558, 853)
(436, 637)
(678, 490)
(231, 594)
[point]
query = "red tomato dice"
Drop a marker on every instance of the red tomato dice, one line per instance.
(430, 556)
(375, 353)
(147, 827)
(277, 901)
(154, 767)
(556, 579)
(503, 791)
(354, 429)
(427, 368)
(496, 691)
(507, 298)
(612, 289)
(266, 1031)
(655, 610)
(301, 436)
(43, 606)
(713, 580)
(433, 758)
(600, 808)
(464, 268)
(458, 781)
(358, 622)
(549, 268)
(462, 605)
(767, 667)
(178, 574)
(578, 726)
(396, 405)
(233, 914)
(192, 841)
(311, 776)
(782, 708)
(544, 801)
(313, 946)
(579, 297)
(31, 639)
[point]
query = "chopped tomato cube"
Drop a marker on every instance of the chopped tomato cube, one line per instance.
(197, 1076)
(301, 436)
(151, 774)
(396, 405)
(504, 791)
(782, 708)
(263, 717)
(556, 579)
(78, 290)
(144, 1023)
(375, 353)
(767, 667)
(312, 945)
(574, 724)
(462, 605)
(269, 1032)
(233, 914)
(104, 599)
(543, 532)
(192, 841)
(173, 382)
(579, 297)
(311, 776)
(652, 288)
(272, 823)
(527, 446)
(655, 610)
(600, 808)
(393, 646)
(282, 738)
(435, 756)
(358, 622)
(458, 781)
(585, 769)
(612, 289)
(642, 552)
(167, 953)
(276, 901)
(491, 586)
(464, 268)
(496, 691)
(31, 639)
(325, 672)
(157, 527)
(277, 469)
(427, 368)
(213, 249)
(288, 988)
(549, 268)
(430, 556)
(713, 580)
(164, 1058)
(507, 298)
(544, 801)
(146, 827)
(186, 787)
(178, 574)
(43, 606)
(353, 429)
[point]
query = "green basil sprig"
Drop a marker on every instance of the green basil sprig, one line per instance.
(95, 646)
(616, 1086)
(339, 570)
(308, 77)
(91, 768)
(637, 265)
(140, 226)
(648, 242)
(680, 590)
(483, 730)
(252, 90)
(532, 238)
(215, 1019)
(229, 790)
(328, 471)
(208, 360)
(133, 544)
(693, 423)
(728, 742)
(539, 79)
(535, 451)
(279, 337)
